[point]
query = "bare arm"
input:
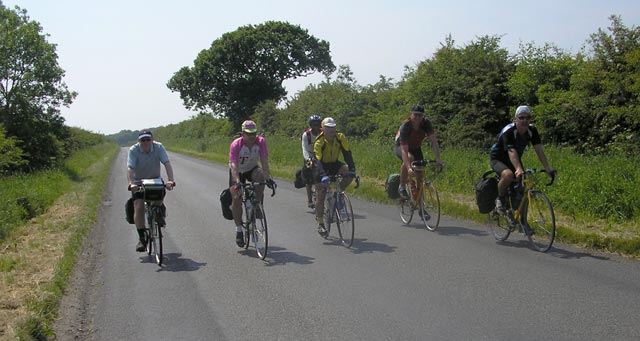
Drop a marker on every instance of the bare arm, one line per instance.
(515, 161)
(543, 158)
(436, 148)
(171, 182)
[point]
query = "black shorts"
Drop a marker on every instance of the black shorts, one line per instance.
(329, 169)
(499, 166)
(243, 176)
(415, 152)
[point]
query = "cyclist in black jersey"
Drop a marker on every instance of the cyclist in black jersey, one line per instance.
(505, 155)
(408, 144)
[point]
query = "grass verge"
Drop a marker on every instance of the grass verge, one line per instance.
(38, 257)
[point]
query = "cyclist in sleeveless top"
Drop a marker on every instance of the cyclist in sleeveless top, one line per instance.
(143, 162)
(505, 155)
(327, 148)
(408, 144)
(308, 139)
(245, 153)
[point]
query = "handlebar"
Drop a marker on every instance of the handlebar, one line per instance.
(269, 183)
(554, 174)
(338, 177)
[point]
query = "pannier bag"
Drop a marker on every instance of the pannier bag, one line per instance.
(391, 186)
(486, 192)
(154, 189)
(299, 181)
(225, 202)
(128, 211)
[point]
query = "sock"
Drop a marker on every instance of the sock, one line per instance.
(239, 228)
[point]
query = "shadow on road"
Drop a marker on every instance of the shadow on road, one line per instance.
(554, 251)
(174, 263)
(279, 256)
(363, 246)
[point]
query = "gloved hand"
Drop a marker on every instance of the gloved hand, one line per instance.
(325, 179)
(351, 174)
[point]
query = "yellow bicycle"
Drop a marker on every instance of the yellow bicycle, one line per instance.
(423, 196)
(533, 214)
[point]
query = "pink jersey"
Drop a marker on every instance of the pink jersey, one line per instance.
(247, 158)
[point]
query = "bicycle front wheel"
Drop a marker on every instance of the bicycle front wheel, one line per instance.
(540, 220)
(430, 207)
(260, 234)
(344, 219)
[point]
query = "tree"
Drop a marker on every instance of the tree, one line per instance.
(246, 67)
(31, 89)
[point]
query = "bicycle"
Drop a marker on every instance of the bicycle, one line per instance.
(422, 197)
(153, 192)
(338, 209)
(534, 214)
(255, 226)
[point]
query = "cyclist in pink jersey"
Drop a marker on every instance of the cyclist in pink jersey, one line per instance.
(245, 153)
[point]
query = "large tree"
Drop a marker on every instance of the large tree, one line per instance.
(31, 89)
(246, 67)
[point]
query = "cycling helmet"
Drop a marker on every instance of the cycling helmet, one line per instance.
(314, 118)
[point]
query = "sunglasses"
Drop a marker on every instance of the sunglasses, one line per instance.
(522, 118)
(146, 139)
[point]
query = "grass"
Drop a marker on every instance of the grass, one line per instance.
(595, 198)
(65, 203)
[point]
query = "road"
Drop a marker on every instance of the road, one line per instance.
(396, 283)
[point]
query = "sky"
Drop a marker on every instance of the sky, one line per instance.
(118, 55)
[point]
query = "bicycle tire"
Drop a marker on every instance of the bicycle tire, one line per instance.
(540, 218)
(430, 207)
(406, 207)
(260, 232)
(498, 225)
(157, 236)
(345, 221)
(329, 212)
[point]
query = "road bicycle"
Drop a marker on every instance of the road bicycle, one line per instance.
(423, 196)
(255, 226)
(153, 192)
(533, 214)
(338, 210)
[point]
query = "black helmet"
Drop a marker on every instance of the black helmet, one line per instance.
(418, 109)
(314, 118)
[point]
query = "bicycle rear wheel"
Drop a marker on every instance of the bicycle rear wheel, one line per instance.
(260, 234)
(499, 225)
(541, 221)
(344, 219)
(154, 247)
(430, 207)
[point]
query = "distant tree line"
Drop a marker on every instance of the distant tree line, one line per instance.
(587, 101)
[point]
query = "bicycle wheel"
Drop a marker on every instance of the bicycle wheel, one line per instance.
(329, 212)
(406, 207)
(540, 220)
(344, 219)
(260, 234)
(157, 236)
(499, 225)
(429, 207)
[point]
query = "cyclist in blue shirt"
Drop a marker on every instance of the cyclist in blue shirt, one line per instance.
(143, 162)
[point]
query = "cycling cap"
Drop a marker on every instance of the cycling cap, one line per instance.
(249, 126)
(144, 133)
(314, 118)
(418, 109)
(523, 109)
(328, 122)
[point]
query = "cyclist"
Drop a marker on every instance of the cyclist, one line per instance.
(244, 154)
(408, 144)
(308, 138)
(505, 155)
(327, 148)
(143, 162)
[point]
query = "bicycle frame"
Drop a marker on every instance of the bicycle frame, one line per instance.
(342, 216)
(420, 196)
(251, 203)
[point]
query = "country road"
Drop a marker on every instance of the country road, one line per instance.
(396, 283)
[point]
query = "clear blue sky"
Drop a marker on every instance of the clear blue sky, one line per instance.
(119, 55)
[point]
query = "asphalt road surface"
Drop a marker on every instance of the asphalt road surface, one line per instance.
(396, 283)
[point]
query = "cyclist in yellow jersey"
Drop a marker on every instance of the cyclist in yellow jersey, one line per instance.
(328, 146)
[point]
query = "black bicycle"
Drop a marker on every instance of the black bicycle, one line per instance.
(255, 226)
(153, 192)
